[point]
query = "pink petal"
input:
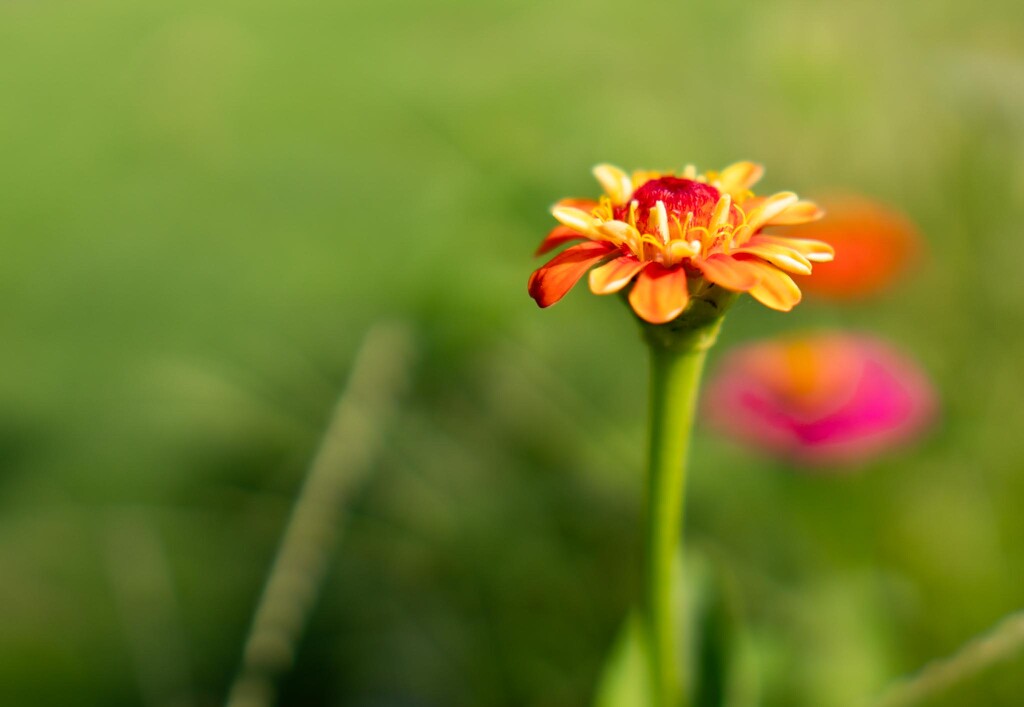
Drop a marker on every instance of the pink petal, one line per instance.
(824, 399)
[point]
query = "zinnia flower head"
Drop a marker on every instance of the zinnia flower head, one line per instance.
(661, 231)
(823, 399)
(875, 245)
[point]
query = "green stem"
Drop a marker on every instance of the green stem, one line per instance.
(676, 367)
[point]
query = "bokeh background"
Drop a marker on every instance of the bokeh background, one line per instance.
(204, 207)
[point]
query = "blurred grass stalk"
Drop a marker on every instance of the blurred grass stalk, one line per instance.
(1000, 643)
(350, 443)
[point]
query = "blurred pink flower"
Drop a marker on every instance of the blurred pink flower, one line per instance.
(820, 399)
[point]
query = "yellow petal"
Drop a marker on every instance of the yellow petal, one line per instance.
(800, 212)
(776, 289)
(739, 177)
(616, 183)
(641, 177)
(769, 209)
(814, 251)
(574, 218)
(784, 258)
(614, 275)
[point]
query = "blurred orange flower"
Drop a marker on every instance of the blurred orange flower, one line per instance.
(659, 231)
(827, 399)
(874, 245)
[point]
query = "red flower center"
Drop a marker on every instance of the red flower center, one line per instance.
(680, 196)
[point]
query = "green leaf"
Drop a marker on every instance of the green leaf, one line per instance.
(625, 680)
(716, 637)
(710, 623)
(714, 626)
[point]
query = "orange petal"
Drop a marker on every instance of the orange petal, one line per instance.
(587, 205)
(614, 275)
(660, 294)
(560, 235)
(776, 289)
(752, 203)
(874, 247)
(728, 272)
(550, 282)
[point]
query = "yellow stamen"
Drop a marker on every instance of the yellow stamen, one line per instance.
(677, 251)
(603, 211)
(620, 233)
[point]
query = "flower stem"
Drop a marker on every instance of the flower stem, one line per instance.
(676, 367)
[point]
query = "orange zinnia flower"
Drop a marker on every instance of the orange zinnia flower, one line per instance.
(875, 243)
(661, 231)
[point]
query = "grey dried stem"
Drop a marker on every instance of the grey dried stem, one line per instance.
(351, 442)
(999, 643)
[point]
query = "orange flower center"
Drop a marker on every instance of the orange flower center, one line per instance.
(680, 196)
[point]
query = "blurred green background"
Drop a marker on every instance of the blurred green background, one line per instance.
(205, 205)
